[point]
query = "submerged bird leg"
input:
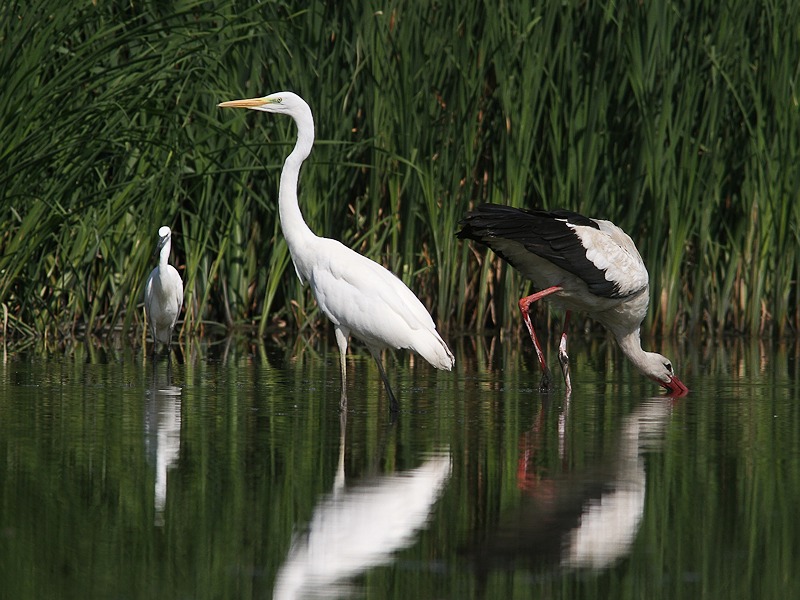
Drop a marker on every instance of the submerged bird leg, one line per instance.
(343, 396)
(169, 368)
(394, 407)
(341, 341)
(524, 306)
(563, 358)
(338, 480)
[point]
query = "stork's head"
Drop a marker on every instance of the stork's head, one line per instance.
(659, 369)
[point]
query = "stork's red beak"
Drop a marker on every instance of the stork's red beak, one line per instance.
(675, 387)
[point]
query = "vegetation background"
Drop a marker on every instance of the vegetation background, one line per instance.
(677, 120)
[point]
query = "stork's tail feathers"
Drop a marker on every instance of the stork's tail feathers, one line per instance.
(489, 220)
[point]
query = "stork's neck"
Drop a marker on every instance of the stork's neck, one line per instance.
(631, 345)
(294, 227)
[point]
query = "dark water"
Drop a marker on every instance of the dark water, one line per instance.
(234, 476)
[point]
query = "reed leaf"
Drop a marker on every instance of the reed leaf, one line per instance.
(676, 121)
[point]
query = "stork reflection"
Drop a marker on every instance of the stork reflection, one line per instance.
(162, 433)
(608, 523)
(578, 520)
(357, 527)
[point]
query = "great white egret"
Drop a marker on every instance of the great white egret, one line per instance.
(163, 293)
(358, 295)
(580, 264)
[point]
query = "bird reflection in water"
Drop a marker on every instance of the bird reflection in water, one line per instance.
(162, 430)
(357, 527)
(583, 520)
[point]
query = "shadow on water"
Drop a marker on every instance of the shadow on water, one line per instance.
(232, 473)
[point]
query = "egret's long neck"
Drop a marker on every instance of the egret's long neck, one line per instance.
(163, 258)
(294, 227)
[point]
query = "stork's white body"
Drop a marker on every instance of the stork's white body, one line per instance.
(580, 264)
(620, 293)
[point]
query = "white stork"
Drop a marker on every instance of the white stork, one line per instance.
(580, 264)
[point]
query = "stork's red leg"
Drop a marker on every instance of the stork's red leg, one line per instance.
(524, 306)
(563, 358)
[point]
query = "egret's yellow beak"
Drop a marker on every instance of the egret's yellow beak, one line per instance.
(248, 103)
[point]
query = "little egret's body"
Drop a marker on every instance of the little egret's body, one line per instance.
(358, 295)
(163, 293)
(581, 264)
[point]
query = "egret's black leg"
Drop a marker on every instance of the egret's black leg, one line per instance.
(394, 406)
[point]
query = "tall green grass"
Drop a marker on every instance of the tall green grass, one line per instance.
(679, 122)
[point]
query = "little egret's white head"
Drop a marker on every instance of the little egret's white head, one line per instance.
(164, 238)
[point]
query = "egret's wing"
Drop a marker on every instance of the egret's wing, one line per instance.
(365, 296)
(148, 291)
(177, 282)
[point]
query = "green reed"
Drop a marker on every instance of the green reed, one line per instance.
(677, 122)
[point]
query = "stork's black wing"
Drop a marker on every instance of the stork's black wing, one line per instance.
(546, 234)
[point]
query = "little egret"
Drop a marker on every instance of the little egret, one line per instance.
(163, 294)
(581, 264)
(358, 295)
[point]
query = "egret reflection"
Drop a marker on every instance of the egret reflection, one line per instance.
(162, 427)
(357, 527)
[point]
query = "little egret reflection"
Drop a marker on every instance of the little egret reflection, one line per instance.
(358, 295)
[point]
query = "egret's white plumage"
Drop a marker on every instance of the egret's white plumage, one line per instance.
(580, 264)
(359, 527)
(163, 293)
(358, 295)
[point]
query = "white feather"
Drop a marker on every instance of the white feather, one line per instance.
(612, 250)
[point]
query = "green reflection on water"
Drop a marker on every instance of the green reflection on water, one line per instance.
(249, 440)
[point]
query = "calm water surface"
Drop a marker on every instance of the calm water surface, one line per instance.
(233, 475)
